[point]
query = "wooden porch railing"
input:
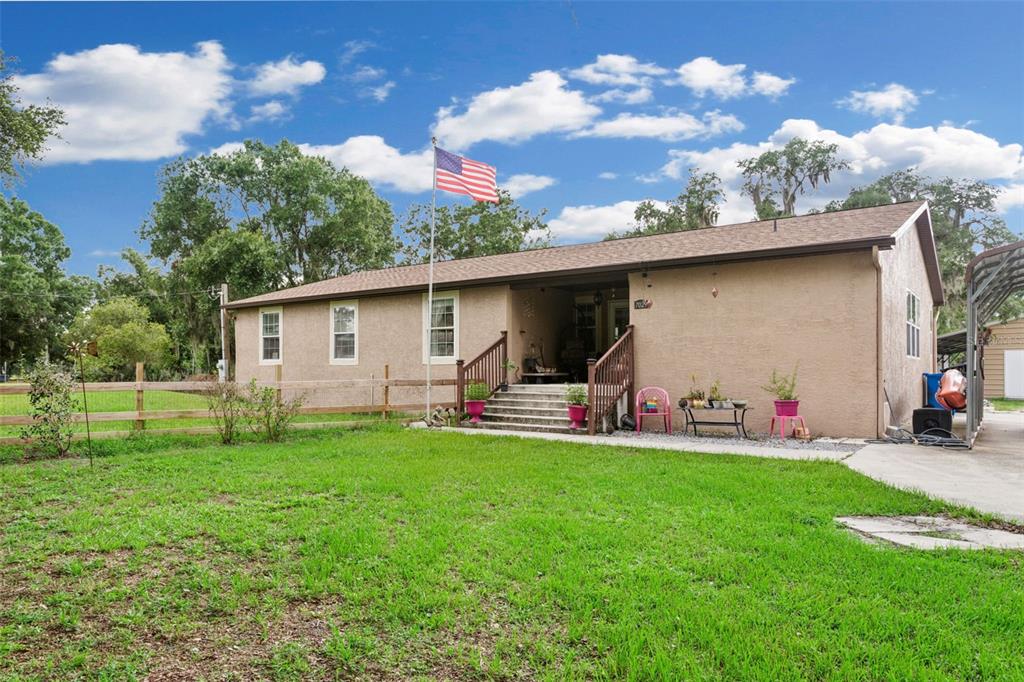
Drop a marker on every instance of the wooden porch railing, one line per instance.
(609, 378)
(488, 367)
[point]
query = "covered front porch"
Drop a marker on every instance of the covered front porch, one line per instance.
(561, 331)
(557, 326)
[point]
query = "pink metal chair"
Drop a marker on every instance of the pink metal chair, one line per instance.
(664, 407)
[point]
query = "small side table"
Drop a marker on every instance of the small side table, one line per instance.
(782, 424)
(739, 415)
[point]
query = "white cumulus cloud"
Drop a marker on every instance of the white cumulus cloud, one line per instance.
(635, 96)
(286, 77)
(274, 110)
(894, 101)
(617, 69)
(1010, 196)
(934, 151)
(705, 75)
(366, 73)
(371, 157)
(522, 184)
(542, 104)
(670, 127)
(590, 222)
(123, 103)
(378, 93)
(770, 85)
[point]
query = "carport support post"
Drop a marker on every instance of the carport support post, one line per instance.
(972, 361)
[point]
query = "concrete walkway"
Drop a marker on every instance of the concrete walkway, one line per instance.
(711, 447)
(989, 478)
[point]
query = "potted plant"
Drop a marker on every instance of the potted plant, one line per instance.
(476, 395)
(695, 398)
(783, 387)
(510, 369)
(715, 395)
(576, 397)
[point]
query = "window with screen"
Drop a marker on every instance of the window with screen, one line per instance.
(913, 325)
(344, 323)
(270, 335)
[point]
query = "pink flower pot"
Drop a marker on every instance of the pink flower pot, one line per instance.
(577, 415)
(475, 408)
(786, 408)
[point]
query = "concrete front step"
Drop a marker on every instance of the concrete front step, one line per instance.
(537, 428)
(549, 420)
(541, 388)
(512, 409)
(529, 395)
(526, 403)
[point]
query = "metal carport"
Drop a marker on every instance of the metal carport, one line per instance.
(992, 276)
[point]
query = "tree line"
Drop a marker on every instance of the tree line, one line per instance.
(263, 217)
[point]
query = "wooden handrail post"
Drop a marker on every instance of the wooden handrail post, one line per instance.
(460, 387)
(631, 380)
(387, 391)
(592, 396)
(140, 376)
(504, 356)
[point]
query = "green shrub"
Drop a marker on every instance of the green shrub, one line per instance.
(268, 415)
(227, 407)
(576, 394)
(477, 390)
(52, 407)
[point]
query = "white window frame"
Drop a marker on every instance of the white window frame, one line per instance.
(913, 324)
(334, 305)
(441, 360)
(280, 334)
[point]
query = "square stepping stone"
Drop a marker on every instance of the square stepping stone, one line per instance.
(931, 532)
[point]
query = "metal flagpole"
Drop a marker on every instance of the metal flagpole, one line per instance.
(430, 279)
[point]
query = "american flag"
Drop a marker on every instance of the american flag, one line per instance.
(465, 176)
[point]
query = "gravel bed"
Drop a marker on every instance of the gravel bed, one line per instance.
(759, 439)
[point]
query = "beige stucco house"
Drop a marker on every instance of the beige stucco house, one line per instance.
(847, 297)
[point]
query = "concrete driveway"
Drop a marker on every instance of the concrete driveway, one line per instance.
(989, 478)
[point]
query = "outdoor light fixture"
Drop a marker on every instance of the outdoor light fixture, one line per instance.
(598, 298)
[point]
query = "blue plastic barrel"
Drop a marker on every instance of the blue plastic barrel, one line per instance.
(931, 387)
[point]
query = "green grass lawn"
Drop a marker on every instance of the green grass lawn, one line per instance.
(399, 554)
(1007, 405)
(124, 401)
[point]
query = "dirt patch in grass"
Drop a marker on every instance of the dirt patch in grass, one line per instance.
(145, 608)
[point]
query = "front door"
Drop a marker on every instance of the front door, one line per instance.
(618, 320)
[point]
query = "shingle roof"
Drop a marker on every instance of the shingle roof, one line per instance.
(816, 233)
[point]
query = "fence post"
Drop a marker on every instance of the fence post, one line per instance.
(591, 395)
(460, 386)
(140, 376)
(387, 391)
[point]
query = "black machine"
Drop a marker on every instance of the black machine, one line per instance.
(932, 418)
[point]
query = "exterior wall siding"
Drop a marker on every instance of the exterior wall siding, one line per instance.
(815, 311)
(1008, 336)
(390, 332)
(903, 270)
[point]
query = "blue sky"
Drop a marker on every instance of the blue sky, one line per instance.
(585, 109)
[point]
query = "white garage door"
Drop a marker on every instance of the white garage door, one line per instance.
(1013, 377)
